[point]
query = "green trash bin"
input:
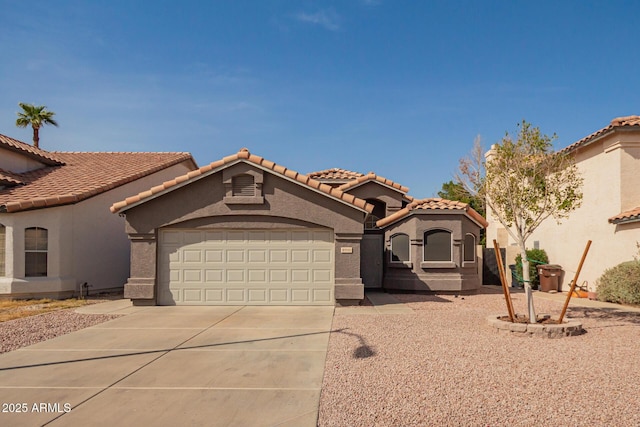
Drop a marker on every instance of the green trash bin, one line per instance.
(549, 275)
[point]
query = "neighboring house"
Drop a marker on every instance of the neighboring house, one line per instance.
(56, 231)
(244, 230)
(609, 161)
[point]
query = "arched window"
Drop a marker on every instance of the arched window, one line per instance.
(379, 211)
(3, 250)
(469, 248)
(400, 248)
(437, 245)
(36, 242)
(243, 185)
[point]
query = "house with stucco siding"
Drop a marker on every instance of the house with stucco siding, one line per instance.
(245, 230)
(609, 162)
(56, 231)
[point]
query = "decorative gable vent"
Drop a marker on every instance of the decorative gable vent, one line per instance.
(243, 185)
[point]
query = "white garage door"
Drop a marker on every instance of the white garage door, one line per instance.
(256, 267)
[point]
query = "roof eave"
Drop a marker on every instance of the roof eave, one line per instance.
(368, 208)
(402, 215)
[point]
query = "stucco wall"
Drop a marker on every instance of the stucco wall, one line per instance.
(611, 173)
(375, 190)
(86, 242)
(16, 162)
(421, 276)
(286, 204)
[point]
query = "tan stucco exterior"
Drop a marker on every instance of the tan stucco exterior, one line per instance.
(610, 166)
(86, 243)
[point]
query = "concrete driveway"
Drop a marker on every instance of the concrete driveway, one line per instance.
(214, 366)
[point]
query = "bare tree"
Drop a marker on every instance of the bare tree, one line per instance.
(523, 183)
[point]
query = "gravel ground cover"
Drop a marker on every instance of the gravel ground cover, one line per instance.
(444, 365)
(22, 332)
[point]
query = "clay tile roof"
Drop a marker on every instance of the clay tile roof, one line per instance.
(81, 176)
(334, 173)
(433, 203)
(373, 177)
(9, 178)
(627, 216)
(246, 156)
(618, 122)
(29, 150)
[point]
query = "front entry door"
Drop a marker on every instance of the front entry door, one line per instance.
(372, 251)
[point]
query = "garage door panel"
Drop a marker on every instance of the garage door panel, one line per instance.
(278, 295)
(300, 295)
(235, 276)
(299, 255)
(257, 276)
(278, 255)
(192, 256)
(213, 255)
(236, 296)
(235, 255)
(220, 267)
(278, 276)
(190, 276)
(257, 255)
(257, 295)
(215, 276)
(300, 276)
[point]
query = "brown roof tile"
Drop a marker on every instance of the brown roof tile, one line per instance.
(9, 178)
(82, 175)
(334, 174)
(626, 216)
(373, 177)
(29, 150)
(618, 122)
(245, 155)
(434, 203)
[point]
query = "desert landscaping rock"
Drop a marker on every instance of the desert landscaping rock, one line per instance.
(445, 365)
(30, 330)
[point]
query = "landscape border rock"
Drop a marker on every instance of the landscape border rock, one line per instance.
(546, 330)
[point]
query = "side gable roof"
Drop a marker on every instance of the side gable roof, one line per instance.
(631, 215)
(80, 176)
(433, 203)
(625, 122)
(29, 151)
(376, 178)
(245, 156)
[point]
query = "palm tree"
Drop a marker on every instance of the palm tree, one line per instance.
(36, 116)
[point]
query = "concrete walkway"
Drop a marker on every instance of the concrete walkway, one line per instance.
(383, 303)
(167, 366)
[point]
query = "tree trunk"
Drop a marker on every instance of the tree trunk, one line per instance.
(526, 278)
(36, 137)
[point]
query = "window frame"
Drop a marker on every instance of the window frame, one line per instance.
(36, 251)
(394, 263)
(473, 252)
(437, 263)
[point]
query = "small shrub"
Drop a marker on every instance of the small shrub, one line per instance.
(620, 284)
(533, 254)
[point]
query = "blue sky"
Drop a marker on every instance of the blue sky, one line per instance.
(398, 87)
